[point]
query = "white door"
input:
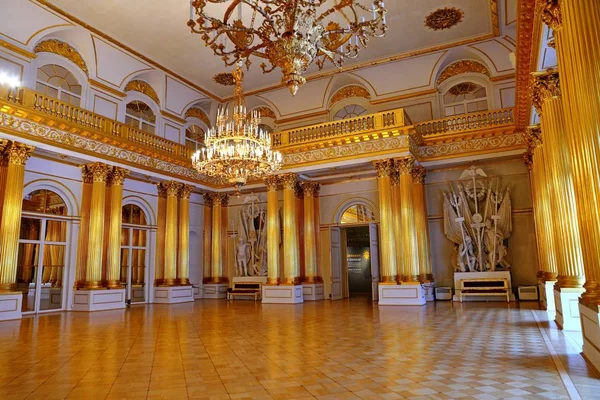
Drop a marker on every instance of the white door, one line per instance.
(336, 263)
(374, 249)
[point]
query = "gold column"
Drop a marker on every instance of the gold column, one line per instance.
(577, 37)
(3, 167)
(159, 258)
(291, 259)
(546, 98)
(311, 192)
(207, 239)
(84, 226)
(170, 274)
(95, 248)
(273, 230)
(184, 234)
(217, 251)
(389, 268)
(421, 224)
(410, 252)
(113, 258)
(224, 225)
(17, 155)
(397, 225)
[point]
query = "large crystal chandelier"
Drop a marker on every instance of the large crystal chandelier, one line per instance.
(237, 149)
(290, 34)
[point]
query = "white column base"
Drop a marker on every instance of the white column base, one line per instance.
(10, 305)
(214, 290)
(567, 308)
(197, 292)
(173, 294)
(313, 291)
(98, 300)
(401, 295)
(282, 294)
(429, 289)
(546, 290)
(590, 324)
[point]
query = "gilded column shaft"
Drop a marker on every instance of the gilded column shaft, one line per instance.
(396, 235)
(217, 259)
(113, 259)
(421, 224)
(10, 223)
(388, 265)
(409, 239)
(310, 244)
(184, 235)
(207, 240)
(171, 233)
(84, 227)
(3, 168)
(291, 261)
(159, 267)
(273, 230)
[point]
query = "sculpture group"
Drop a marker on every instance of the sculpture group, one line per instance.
(478, 220)
(251, 246)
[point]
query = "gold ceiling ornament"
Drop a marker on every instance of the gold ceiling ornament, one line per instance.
(196, 112)
(462, 67)
(62, 49)
(290, 35)
(142, 87)
(348, 92)
(444, 18)
(237, 149)
(265, 112)
(224, 78)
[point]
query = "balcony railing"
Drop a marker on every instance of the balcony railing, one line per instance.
(128, 136)
(339, 129)
(466, 122)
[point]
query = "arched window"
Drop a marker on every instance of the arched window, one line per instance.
(133, 214)
(357, 213)
(350, 111)
(44, 201)
(140, 116)
(57, 82)
(194, 137)
(464, 98)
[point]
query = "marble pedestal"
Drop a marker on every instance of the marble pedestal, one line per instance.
(429, 289)
(282, 294)
(173, 294)
(401, 295)
(546, 290)
(215, 290)
(567, 308)
(313, 291)
(10, 305)
(98, 300)
(590, 324)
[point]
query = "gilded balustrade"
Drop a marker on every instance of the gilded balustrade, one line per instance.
(466, 122)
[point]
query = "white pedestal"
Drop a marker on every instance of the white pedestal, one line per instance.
(429, 289)
(10, 305)
(401, 295)
(567, 308)
(546, 290)
(590, 323)
(173, 294)
(197, 292)
(458, 276)
(313, 291)
(98, 300)
(215, 290)
(282, 294)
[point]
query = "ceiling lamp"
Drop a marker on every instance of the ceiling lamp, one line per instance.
(290, 34)
(236, 148)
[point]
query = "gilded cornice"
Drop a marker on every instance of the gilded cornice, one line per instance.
(142, 87)
(173, 117)
(106, 88)
(17, 49)
(528, 39)
(462, 67)
(196, 112)
(62, 49)
(348, 92)
(544, 86)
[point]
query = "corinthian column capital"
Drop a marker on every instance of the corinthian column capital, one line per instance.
(289, 181)
(186, 191)
(405, 165)
(419, 173)
(97, 172)
(271, 182)
(384, 167)
(544, 85)
(208, 199)
(550, 13)
(161, 190)
(17, 153)
(311, 189)
(118, 175)
(173, 188)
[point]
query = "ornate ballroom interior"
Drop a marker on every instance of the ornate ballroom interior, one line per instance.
(252, 199)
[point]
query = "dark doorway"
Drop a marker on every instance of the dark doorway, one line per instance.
(358, 261)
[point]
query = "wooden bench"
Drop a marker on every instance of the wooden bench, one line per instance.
(252, 289)
(484, 287)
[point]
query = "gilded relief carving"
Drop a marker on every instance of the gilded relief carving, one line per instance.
(62, 49)
(444, 18)
(196, 112)
(347, 92)
(142, 87)
(462, 67)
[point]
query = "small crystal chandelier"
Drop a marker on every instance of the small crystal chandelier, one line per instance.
(237, 149)
(290, 34)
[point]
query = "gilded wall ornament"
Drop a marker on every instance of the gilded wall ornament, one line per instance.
(483, 144)
(528, 159)
(224, 78)
(137, 85)
(533, 136)
(544, 86)
(62, 49)
(462, 67)
(444, 18)
(463, 88)
(550, 13)
(196, 112)
(348, 92)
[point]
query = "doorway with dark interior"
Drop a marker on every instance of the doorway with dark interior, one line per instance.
(358, 262)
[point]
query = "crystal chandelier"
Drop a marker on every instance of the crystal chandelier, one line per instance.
(237, 149)
(289, 34)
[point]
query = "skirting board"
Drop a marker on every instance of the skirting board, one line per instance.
(214, 290)
(313, 291)
(401, 295)
(10, 305)
(173, 294)
(282, 294)
(98, 300)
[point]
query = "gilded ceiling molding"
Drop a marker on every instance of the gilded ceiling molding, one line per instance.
(196, 112)
(528, 38)
(142, 87)
(62, 49)
(16, 49)
(349, 91)
(265, 112)
(444, 18)
(462, 67)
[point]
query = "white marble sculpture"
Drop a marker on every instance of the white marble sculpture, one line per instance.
(250, 252)
(478, 219)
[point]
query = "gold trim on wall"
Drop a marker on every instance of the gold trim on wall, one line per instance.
(17, 49)
(96, 96)
(404, 96)
(173, 117)
(106, 88)
(143, 87)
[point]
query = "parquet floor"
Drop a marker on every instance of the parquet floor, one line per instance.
(327, 350)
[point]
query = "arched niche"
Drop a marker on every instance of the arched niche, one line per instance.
(366, 211)
(144, 206)
(56, 187)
